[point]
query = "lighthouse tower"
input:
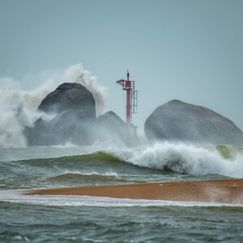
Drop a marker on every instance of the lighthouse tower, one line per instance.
(131, 97)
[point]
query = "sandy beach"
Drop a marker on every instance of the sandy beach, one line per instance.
(223, 191)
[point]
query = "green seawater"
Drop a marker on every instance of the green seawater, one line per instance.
(229, 152)
(86, 219)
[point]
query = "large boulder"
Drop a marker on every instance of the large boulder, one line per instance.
(69, 96)
(179, 121)
(111, 127)
(73, 107)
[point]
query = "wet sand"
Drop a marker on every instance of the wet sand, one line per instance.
(222, 191)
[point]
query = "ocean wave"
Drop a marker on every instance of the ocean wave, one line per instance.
(167, 157)
(187, 159)
(89, 158)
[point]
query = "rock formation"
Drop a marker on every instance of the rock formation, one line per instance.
(73, 107)
(69, 96)
(179, 121)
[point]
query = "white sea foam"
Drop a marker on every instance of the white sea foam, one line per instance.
(184, 158)
(91, 174)
(18, 107)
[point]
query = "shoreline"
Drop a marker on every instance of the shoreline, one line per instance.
(222, 191)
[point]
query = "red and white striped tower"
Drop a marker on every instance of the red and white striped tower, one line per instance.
(131, 97)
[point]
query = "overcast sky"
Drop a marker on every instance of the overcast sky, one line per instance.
(175, 49)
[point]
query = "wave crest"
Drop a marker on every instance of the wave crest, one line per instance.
(185, 158)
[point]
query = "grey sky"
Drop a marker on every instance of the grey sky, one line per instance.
(184, 49)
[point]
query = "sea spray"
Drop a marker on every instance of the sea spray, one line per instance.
(77, 74)
(18, 107)
(14, 114)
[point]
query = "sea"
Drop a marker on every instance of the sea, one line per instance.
(33, 218)
(26, 218)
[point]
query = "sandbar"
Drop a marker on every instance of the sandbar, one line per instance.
(222, 191)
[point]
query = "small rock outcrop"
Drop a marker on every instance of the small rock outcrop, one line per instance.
(179, 121)
(73, 107)
(111, 127)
